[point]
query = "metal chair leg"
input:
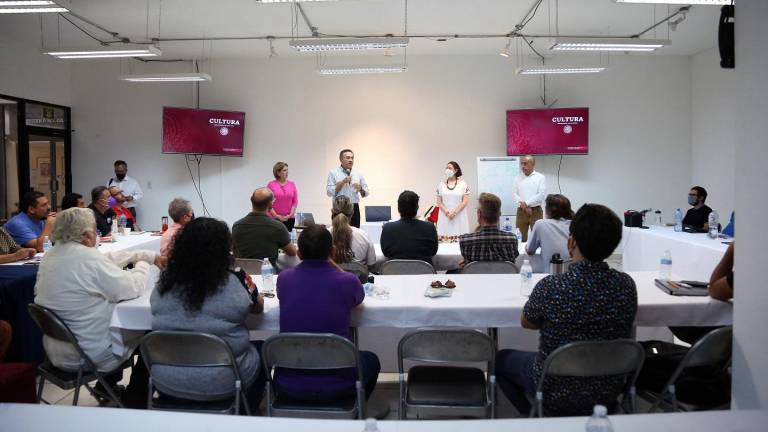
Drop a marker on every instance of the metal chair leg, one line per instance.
(40, 391)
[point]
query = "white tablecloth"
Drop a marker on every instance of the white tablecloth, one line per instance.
(478, 301)
(694, 256)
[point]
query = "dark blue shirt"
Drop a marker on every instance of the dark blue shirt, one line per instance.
(590, 302)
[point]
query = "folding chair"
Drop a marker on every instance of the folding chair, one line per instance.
(53, 327)
(490, 267)
(312, 351)
(191, 349)
(251, 266)
(439, 389)
(357, 268)
(406, 267)
(594, 359)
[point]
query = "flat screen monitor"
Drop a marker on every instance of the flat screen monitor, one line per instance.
(205, 132)
(548, 131)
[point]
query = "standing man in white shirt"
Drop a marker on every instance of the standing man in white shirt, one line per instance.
(129, 186)
(343, 181)
(529, 190)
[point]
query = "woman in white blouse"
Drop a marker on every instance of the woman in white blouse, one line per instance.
(452, 199)
(352, 244)
(551, 234)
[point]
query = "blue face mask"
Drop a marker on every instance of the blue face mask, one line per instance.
(692, 200)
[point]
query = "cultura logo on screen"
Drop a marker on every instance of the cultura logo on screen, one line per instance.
(567, 120)
(224, 122)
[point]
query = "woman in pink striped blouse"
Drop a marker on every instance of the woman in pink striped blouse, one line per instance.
(286, 196)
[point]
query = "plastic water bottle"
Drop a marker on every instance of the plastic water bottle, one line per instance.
(293, 236)
(519, 235)
(122, 222)
(370, 425)
(113, 230)
(267, 271)
(369, 288)
(714, 221)
(599, 422)
(507, 225)
(678, 220)
(47, 245)
(665, 267)
(526, 279)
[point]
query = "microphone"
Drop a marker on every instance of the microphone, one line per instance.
(347, 171)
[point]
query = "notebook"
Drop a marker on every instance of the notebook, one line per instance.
(683, 288)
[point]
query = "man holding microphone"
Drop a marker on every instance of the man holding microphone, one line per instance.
(342, 181)
(529, 190)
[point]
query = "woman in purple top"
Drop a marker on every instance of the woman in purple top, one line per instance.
(286, 196)
(317, 297)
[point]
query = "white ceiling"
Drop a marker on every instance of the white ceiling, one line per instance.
(138, 20)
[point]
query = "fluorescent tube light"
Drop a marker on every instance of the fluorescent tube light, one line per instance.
(557, 70)
(106, 52)
(348, 44)
(167, 77)
(20, 10)
(29, 6)
(358, 70)
(290, 1)
(607, 44)
(679, 2)
(4, 3)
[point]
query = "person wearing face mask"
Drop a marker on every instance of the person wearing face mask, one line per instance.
(697, 217)
(343, 181)
(82, 286)
(129, 186)
(101, 211)
(452, 199)
(529, 190)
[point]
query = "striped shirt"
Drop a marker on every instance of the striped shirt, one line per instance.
(488, 243)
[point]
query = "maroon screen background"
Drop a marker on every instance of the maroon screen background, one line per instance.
(188, 130)
(533, 132)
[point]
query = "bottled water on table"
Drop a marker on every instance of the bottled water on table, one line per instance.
(714, 221)
(519, 235)
(507, 225)
(526, 279)
(678, 220)
(47, 245)
(267, 284)
(293, 236)
(599, 422)
(122, 222)
(370, 425)
(665, 266)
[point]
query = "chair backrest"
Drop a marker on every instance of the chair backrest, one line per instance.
(181, 348)
(446, 345)
(359, 269)
(406, 267)
(490, 267)
(594, 358)
(714, 349)
(316, 351)
(249, 265)
(54, 327)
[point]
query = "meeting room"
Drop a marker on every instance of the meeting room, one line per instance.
(383, 215)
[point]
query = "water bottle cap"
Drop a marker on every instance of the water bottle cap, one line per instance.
(370, 424)
(556, 259)
(600, 410)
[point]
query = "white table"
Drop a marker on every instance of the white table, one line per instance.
(694, 256)
(54, 418)
(479, 301)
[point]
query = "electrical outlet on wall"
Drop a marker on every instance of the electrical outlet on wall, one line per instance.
(149, 184)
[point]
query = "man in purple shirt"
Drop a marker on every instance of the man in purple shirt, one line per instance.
(317, 297)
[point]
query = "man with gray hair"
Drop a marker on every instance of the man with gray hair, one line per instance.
(180, 211)
(82, 286)
(258, 236)
(529, 190)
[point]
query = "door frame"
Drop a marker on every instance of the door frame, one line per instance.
(23, 146)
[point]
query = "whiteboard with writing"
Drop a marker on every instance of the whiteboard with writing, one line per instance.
(496, 175)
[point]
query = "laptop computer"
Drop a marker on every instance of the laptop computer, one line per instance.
(304, 220)
(378, 213)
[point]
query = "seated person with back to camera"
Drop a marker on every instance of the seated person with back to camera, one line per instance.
(488, 242)
(409, 238)
(257, 235)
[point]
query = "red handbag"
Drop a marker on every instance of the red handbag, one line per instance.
(433, 212)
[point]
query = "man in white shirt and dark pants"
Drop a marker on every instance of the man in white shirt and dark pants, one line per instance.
(342, 181)
(129, 186)
(529, 190)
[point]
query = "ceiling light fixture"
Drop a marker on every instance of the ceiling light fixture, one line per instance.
(30, 6)
(680, 2)
(167, 77)
(505, 51)
(106, 52)
(358, 70)
(557, 70)
(290, 1)
(348, 44)
(607, 44)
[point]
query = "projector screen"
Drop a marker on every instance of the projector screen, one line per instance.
(205, 132)
(548, 131)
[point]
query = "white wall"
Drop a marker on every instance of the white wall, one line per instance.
(713, 125)
(750, 351)
(402, 127)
